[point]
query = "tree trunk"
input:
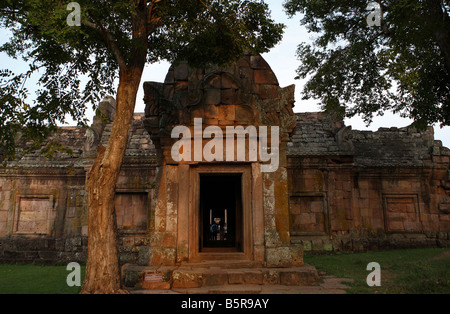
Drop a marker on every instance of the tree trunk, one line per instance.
(102, 269)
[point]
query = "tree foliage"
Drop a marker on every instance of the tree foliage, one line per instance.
(78, 66)
(402, 65)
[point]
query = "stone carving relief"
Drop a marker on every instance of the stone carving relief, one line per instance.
(217, 88)
(161, 113)
(246, 93)
(104, 115)
(279, 111)
(344, 139)
(92, 140)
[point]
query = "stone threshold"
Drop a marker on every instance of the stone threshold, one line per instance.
(208, 277)
(326, 285)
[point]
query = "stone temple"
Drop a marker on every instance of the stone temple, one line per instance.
(334, 188)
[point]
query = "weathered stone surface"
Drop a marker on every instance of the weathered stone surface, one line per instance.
(187, 279)
(236, 277)
(162, 256)
(278, 257)
(336, 188)
(215, 278)
(265, 77)
(299, 277)
(271, 277)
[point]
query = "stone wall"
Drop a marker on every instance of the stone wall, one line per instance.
(358, 190)
(246, 95)
(43, 202)
(42, 216)
(336, 188)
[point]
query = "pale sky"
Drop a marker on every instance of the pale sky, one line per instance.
(283, 62)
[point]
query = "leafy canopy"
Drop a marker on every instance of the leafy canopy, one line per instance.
(77, 66)
(402, 65)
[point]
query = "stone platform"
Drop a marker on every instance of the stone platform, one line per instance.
(220, 278)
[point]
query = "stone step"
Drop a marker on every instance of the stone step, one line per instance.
(189, 277)
(327, 285)
(232, 289)
(222, 264)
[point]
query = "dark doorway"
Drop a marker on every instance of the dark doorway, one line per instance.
(220, 212)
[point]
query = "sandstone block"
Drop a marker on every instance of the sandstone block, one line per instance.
(187, 279)
(213, 82)
(265, 77)
(229, 96)
(258, 63)
(227, 82)
(253, 277)
(278, 257)
(169, 240)
(299, 277)
(215, 278)
(268, 91)
(243, 114)
(213, 97)
(271, 277)
(162, 256)
(236, 277)
(210, 112)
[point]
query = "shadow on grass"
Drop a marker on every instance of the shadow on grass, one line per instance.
(414, 271)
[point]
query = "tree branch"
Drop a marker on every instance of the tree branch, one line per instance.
(210, 10)
(109, 39)
(154, 21)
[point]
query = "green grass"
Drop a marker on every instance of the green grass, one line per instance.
(35, 279)
(415, 271)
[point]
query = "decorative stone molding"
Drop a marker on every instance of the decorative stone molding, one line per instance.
(244, 94)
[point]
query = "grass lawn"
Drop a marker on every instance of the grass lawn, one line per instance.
(414, 271)
(35, 279)
(417, 271)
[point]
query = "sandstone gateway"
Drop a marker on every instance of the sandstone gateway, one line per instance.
(334, 188)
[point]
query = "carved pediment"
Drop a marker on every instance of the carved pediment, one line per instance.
(246, 93)
(217, 88)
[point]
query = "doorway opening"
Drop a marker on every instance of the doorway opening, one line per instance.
(220, 213)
